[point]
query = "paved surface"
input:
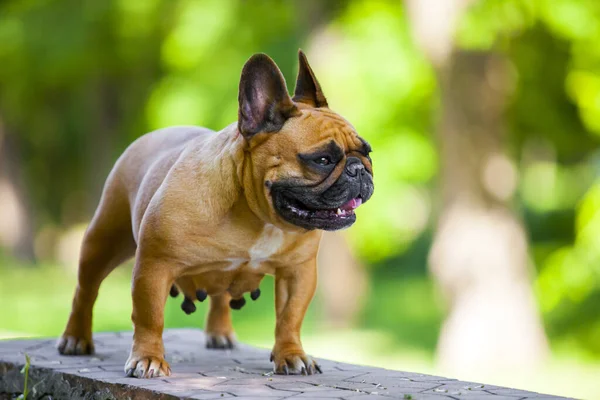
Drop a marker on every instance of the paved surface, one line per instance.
(198, 373)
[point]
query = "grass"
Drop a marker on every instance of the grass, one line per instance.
(25, 372)
(397, 329)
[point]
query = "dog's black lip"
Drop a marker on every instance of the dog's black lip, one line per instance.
(281, 202)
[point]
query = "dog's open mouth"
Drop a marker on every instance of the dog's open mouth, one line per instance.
(327, 218)
(344, 211)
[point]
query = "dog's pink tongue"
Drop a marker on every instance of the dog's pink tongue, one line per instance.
(352, 204)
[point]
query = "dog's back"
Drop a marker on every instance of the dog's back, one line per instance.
(142, 168)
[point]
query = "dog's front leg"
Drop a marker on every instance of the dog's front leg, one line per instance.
(150, 286)
(294, 289)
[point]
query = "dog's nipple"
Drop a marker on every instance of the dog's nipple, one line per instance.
(201, 295)
(188, 306)
(237, 304)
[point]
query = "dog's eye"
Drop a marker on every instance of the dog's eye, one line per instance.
(324, 160)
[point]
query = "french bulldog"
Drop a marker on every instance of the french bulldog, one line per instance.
(210, 213)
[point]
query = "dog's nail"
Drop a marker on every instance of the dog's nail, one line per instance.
(151, 373)
(255, 294)
(318, 368)
(271, 357)
(303, 371)
(129, 372)
(174, 292)
(286, 371)
(237, 304)
(188, 306)
(201, 295)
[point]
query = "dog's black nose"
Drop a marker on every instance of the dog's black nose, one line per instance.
(255, 294)
(354, 166)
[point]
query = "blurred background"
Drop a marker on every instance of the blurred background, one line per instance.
(478, 256)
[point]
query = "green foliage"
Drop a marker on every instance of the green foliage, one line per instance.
(80, 81)
(569, 283)
(554, 122)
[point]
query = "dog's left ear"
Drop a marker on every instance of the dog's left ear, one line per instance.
(308, 90)
(264, 103)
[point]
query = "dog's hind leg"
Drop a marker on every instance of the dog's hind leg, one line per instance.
(108, 242)
(218, 327)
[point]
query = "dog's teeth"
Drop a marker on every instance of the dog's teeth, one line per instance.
(338, 212)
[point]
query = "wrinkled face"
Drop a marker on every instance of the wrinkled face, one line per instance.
(330, 176)
(312, 168)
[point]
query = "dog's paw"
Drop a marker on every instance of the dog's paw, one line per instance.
(220, 341)
(74, 346)
(294, 363)
(146, 367)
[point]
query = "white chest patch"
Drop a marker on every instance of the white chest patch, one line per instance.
(269, 241)
(235, 263)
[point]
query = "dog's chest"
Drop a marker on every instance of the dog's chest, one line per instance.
(267, 244)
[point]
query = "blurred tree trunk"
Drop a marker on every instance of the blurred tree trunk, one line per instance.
(343, 282)
(479, 256)
(16, 233)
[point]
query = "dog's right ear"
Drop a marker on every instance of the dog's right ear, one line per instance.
(264, 103)
(308, 90)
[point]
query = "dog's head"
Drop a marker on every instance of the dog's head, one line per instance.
(309, 167)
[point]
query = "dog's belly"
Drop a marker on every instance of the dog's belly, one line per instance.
(240, 270)
(234, 277)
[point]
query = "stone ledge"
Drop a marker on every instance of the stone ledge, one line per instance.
(199, 373)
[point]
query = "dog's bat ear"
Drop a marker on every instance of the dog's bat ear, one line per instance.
(264, 103)
(308, 90)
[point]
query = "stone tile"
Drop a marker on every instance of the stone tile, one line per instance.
(257, 391)
(484, 396)
(211, 395)
(331, 393)
(199, 373)
(540, 397)
(295, 386)
(458, 388)
(328, 398)
(341, 398)
(517, 393)
(197, 394)
(421, 396)
(261, 398)
(247, 380)
(391, 384)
